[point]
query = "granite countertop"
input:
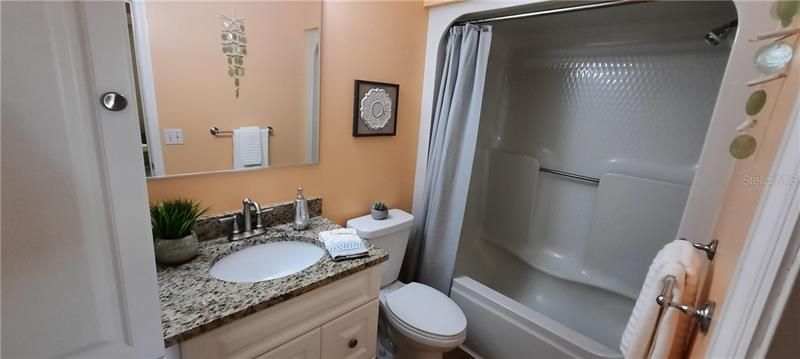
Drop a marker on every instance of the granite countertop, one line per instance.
(194, 302)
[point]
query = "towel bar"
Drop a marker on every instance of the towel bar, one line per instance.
(710, 248)
(215, 131)
(702, 315)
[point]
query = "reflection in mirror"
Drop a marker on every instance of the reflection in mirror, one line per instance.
(250, 69)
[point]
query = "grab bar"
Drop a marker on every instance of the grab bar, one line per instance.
(570, 175)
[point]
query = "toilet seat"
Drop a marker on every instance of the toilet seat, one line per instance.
(425, 314)
(418, 336)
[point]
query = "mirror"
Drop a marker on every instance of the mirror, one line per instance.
(226, 86)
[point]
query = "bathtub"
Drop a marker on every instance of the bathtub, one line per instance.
(500, 327)
(548, 265)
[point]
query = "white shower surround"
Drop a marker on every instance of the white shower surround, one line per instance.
(715, 163)
(629, 106)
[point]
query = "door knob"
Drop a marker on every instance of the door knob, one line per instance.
(114, 101)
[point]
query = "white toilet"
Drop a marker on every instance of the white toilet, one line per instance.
(421, 321)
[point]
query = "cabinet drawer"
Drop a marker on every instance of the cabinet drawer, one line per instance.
(353, 335)
(306, 346)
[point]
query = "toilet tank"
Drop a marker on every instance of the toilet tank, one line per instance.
(390, 234)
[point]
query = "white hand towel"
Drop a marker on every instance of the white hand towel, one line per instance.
(343, 243)
(264, 147)
(247, 148)
(679, 259)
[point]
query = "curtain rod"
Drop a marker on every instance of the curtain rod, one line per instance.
(553, 11)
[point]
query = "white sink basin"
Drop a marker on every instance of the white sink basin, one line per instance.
(266, 261)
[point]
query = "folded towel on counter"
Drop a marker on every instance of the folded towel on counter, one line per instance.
(682, 261)
(344, 243)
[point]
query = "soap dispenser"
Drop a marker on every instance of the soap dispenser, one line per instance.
(301, 218)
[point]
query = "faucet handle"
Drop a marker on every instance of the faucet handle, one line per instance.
(233, 228)
(260, 212)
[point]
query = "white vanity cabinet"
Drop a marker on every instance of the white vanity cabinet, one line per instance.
(338, 320)
(353, 335)
(306, 346)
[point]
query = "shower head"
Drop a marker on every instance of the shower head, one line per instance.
(717, 34)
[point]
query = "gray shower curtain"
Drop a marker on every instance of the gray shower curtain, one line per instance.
(452, 148)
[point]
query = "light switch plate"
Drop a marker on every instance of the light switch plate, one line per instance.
(173, 136)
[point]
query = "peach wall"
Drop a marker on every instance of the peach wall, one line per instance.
(432, 3)
(742, 196)
(194, 91)
(381, 41)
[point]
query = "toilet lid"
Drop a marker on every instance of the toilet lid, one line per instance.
(427, 310)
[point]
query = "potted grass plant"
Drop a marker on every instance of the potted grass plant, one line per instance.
(172, 222)
(379, 211)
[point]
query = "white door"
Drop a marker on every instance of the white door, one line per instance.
(78, 275)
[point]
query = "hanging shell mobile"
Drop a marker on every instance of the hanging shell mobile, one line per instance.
(234, 46)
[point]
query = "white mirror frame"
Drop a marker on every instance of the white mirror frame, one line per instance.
(146, 86)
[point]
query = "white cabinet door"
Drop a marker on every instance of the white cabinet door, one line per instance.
(353, 335)
(78, 275)
(306, 346)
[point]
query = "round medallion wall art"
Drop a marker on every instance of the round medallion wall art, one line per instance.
(770, 60)
(375, 108)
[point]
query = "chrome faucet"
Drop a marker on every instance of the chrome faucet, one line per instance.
(247, 210)
(234, 232)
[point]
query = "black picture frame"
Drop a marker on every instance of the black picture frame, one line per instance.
(361, 87)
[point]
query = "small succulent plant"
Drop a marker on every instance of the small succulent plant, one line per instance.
(379, 206)
(173, 219)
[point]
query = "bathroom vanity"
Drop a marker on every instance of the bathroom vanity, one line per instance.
(329, 307)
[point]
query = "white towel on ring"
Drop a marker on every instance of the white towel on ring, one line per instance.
(679, 259)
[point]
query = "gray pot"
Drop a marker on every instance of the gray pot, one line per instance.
(176, 251)
(379, 215)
